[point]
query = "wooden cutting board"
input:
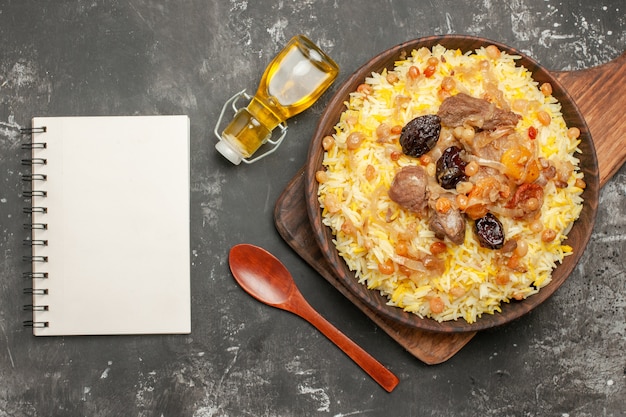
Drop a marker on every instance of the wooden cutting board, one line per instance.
(600, 94)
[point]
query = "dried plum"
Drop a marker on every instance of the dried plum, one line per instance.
(451, 168)
(489, 231)
(420, 135)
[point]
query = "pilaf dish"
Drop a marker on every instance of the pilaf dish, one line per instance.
(451, 182)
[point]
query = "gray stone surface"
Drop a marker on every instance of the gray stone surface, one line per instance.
(79, 57)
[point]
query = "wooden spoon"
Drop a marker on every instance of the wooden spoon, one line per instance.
(265, 278)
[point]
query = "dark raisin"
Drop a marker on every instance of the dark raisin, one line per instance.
(451, 168)
(489, 231)
(420, 135)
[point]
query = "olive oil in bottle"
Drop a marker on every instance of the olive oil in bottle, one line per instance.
(291, 83)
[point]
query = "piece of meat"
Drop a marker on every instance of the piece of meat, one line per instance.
(450, 224)
(409, 189)
(465, 110)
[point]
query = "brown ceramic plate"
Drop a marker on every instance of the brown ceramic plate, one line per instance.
(577, 238)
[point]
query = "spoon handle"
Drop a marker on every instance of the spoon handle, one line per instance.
(367, 362)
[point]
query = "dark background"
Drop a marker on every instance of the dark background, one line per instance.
(95, 57)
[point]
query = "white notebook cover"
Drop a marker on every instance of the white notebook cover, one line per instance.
(118, 243)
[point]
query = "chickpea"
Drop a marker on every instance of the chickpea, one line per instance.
(438, 247)
(468, 134)
(502, 278)
(546, 89)
(448, 84)
(386, 268)
(536, 226)
(462, 201)
(544, 117)
(392, 77)
(402, 248)
(522, 248)
(352, 119)
(348, 228)
(354, 140)
(432, 61)
(492, 52)
(531, 204)
(432, 262)
(513, 262)
(365, 89)
(457, 291)
(472, 168)
(548, 235)
(328, 142)
(383, 132)
(573, 133)
(396, 130)
(331, 203)
(436, 305)
(321, 176)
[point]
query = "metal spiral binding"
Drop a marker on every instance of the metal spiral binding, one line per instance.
(36, 324)
(34, 258)
(35, 242)
(34, 145)
(34, 193)
(34, 275)
(33, 307)
(34, 177)
(29, 130)
(34, 161)
(35, 226)
(31, 210)
(36, 291)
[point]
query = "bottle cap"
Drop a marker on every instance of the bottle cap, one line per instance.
(228, 152)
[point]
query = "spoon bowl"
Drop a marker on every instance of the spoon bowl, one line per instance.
(265, 278)
(254, 277)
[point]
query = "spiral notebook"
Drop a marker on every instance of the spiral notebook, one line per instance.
(108, 209)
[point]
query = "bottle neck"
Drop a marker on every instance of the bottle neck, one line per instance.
(264, 113)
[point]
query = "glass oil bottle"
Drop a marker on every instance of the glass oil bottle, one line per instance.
(291, 83)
